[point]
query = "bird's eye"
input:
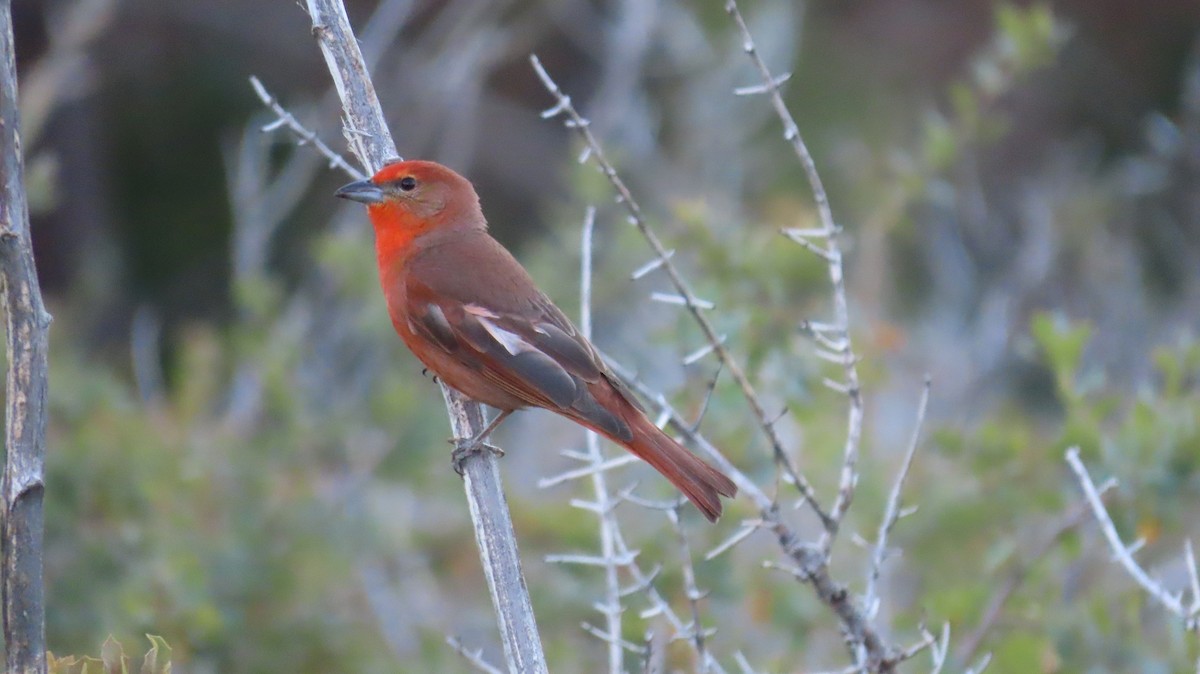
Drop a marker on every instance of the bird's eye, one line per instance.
(408, 183)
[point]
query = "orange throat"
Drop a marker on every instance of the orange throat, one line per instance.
(396, 231)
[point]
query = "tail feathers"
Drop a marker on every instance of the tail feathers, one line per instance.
(611, 413)
(700, 482)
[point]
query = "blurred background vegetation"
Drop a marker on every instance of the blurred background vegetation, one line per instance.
(244, 460)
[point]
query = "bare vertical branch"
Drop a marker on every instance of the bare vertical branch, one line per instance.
(498, 547)
(368, 136)
(893, 511)
(694, 594)
(611, 608)
(27, 323)
(835, 338)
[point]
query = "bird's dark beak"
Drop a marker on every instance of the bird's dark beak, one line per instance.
(363, 191)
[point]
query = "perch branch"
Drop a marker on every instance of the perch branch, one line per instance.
(369, 139)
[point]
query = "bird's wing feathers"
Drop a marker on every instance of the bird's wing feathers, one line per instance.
(535, 355)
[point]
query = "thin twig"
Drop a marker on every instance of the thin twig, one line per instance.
(743, 663)
(473, 657)
(978, 667)
(27, 323)
(697, 633)
(938, 648)
(620, 643)
(740, 535)
(644, 584)
(589, 469)
(653, 654)
(685, 296)
(1123, 554)
(611, 608)
(810, 564)
(832, 253)
(303, 133)
(892, 512)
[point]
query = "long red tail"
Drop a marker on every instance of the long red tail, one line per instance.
(609, 412)
(700, 482)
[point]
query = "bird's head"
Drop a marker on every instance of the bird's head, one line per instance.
(416, 196)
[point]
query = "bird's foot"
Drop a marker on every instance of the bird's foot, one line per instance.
(465, 448)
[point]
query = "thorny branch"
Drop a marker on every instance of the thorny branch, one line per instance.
(694, 594)
(643, 583)
(811, 562)
(614, 553)
(834, 338)
(304, 136)
(1123, 554)
(686, 297)
(611, 608)
(893, 512)
(473, 658)
(808, 565)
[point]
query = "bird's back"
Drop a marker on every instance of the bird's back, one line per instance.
(454, 264)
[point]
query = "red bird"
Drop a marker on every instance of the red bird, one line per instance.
(471, 313)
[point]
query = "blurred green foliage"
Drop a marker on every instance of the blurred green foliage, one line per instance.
(1073, 606)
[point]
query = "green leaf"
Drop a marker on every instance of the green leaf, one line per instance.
(1062, 343)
